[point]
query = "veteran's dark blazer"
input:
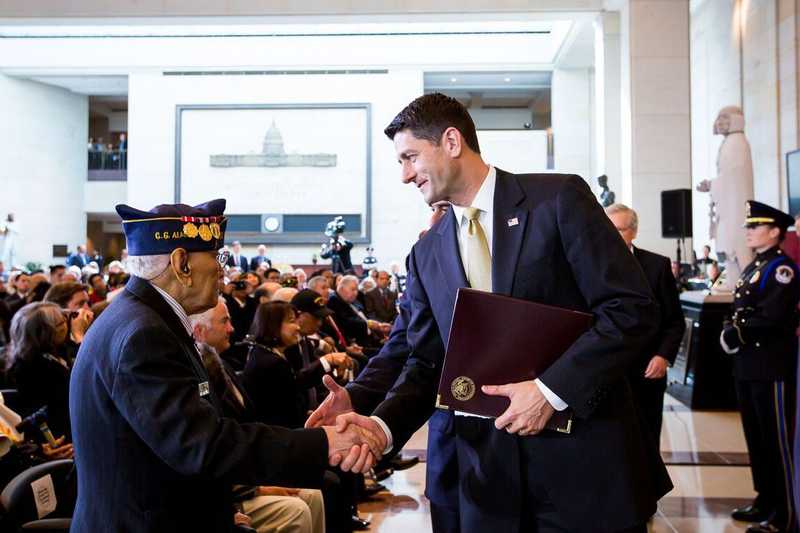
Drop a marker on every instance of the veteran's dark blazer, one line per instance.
(552, 244)
(153, 451)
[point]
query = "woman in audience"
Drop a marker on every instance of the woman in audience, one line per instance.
(268, 376)
(38, 330)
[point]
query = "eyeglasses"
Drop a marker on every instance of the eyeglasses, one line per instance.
(222, 257)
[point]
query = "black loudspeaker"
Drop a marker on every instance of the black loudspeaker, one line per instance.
(676, 214)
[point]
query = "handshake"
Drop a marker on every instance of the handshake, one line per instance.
(355, 442)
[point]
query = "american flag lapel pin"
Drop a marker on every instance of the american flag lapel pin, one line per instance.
(513, 222)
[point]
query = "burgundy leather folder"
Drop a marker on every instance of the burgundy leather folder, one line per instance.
(497, 339)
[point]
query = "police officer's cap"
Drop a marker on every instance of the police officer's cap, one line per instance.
(170, 226)
(758, 213)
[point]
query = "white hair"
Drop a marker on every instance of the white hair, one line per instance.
(204, 318)
(284, 294)
(347, 279)
(316, 280)
(367, 284)
(633, 221)
(147, 266)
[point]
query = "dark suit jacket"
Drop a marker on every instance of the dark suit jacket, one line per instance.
(243, 263)
(270, 382)
(671, 325)
(42, 381)
(552, 244)
(152, 453)
(78, 260)
(353, 327)
(378, 308)
(241, 317)
(256, 261)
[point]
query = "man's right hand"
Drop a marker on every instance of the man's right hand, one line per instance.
(353, 449)
(336, 403)
(59, 450)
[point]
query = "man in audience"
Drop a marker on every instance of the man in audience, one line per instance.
(260, 259)
(79, 258)
(242, 308)
(72, 297)
(270, 508)
(353, 322)
(300, 274)
(272, 275)
(153, 450)
(99, 288)
(57, 273)
(381, 302)
(237, 259)
(648, 375)
(20, 285)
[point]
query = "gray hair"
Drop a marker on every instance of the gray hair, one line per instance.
(347, 279)
(32, 331)
(284, 294)
(367, 284)
(316, 280)
(633, 223)
(147, 266)
(204, 319)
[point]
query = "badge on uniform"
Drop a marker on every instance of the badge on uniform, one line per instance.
(754, 277)
(204, 389)
(513, 222)
(784, 274)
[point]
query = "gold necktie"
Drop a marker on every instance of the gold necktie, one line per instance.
(479, 261)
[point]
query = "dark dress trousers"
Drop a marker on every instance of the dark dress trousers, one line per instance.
(271, 384)
(552, 244)
(441, 467)
(649, 393)
(153, 450)
(352, 326)
(381, 306)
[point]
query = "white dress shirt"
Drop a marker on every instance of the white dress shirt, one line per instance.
(484, 201)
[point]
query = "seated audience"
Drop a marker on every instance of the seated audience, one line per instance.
(300, 274)
(39, 373)
(284, 294)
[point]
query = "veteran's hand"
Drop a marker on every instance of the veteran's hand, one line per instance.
(59, 450)
(529, 410)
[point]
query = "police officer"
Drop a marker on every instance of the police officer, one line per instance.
(761, 337)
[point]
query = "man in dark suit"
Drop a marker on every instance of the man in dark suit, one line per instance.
(79, 258)
(648, 375)
(354, 324)
(260, 259)
(381, 303)
(236, 258)
(546, 239)
(152, 448)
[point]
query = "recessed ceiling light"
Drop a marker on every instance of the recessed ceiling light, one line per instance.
(507, 80)
(453, 80)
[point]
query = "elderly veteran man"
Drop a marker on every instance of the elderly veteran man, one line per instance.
(152, 449)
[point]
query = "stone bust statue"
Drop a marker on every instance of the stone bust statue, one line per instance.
(607, 196)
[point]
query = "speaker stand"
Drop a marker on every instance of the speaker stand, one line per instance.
(678, 251)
